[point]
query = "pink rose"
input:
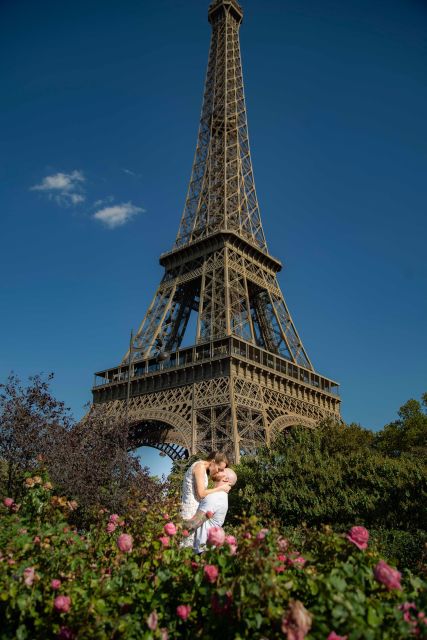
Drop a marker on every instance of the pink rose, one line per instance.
(388, 576)
(296, 623)
(358, 536)
(166, 516)
(29, 575)
(169, 529)
(335, 636)
(209, 514)
(55, 584)
(125, 542)
(111, 526)
(296, 560)
(280, 568)
(152, 620)
(8, 502)
(261, 535)
(216, 536)
(211, 573)
(37, 540)
(406, 607)
(62, 604)
(232, 544)
(185, 533)
(165, 540)
(114, 518)
(281, 557)
(183, 611)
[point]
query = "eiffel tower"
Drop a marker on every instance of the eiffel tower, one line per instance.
(246, 376)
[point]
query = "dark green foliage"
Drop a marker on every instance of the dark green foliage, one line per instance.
(336, 475)
(408, 434)
(311, 476)
(403, 548)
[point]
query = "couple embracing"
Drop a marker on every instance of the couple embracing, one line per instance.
(203, 508)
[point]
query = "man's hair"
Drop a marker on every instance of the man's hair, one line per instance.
(217, 457)
(230, 476)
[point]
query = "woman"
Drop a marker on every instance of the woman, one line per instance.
(195, 483)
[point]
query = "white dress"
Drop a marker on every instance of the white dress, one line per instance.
(189, 501)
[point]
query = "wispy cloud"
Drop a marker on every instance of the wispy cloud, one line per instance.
(129, 172)
(117, 215)
(103, 201)
(65, 188)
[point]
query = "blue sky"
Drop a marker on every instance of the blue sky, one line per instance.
(99, 110)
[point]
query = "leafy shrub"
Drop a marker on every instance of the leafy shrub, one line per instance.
(126, 577)
(311, 476)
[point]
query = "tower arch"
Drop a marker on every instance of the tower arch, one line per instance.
(161, 430)
(287, 422)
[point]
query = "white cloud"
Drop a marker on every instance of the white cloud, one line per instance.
(76, 198)
(102, 201)
(129, 172)
(65, 188)
(117, 215)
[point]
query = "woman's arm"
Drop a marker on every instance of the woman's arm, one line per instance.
(199, 479)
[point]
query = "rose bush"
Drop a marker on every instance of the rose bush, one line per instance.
(59, 582)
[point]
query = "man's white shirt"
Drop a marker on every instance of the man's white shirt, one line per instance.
(218, 504)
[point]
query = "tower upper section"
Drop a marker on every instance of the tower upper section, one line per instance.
(221, 195)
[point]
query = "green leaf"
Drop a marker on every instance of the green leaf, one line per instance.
(374, 617)
(314, 588)
(21, 632)
(101, 606)
(339, 584)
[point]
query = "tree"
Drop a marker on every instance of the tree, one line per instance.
(92, 463)
(29, 418)
(408, 434)
(88, 461)
(316, 476)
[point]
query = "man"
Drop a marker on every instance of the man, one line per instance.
(212, 510)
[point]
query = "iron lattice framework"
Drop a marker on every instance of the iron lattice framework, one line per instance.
(247, 375)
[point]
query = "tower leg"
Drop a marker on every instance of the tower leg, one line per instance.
(236, 438)
(193, 422)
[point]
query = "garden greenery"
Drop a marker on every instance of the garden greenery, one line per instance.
(326, 534)
(128, 577)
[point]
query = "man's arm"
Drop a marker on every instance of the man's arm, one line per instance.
(197, 520)
(203, 513)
